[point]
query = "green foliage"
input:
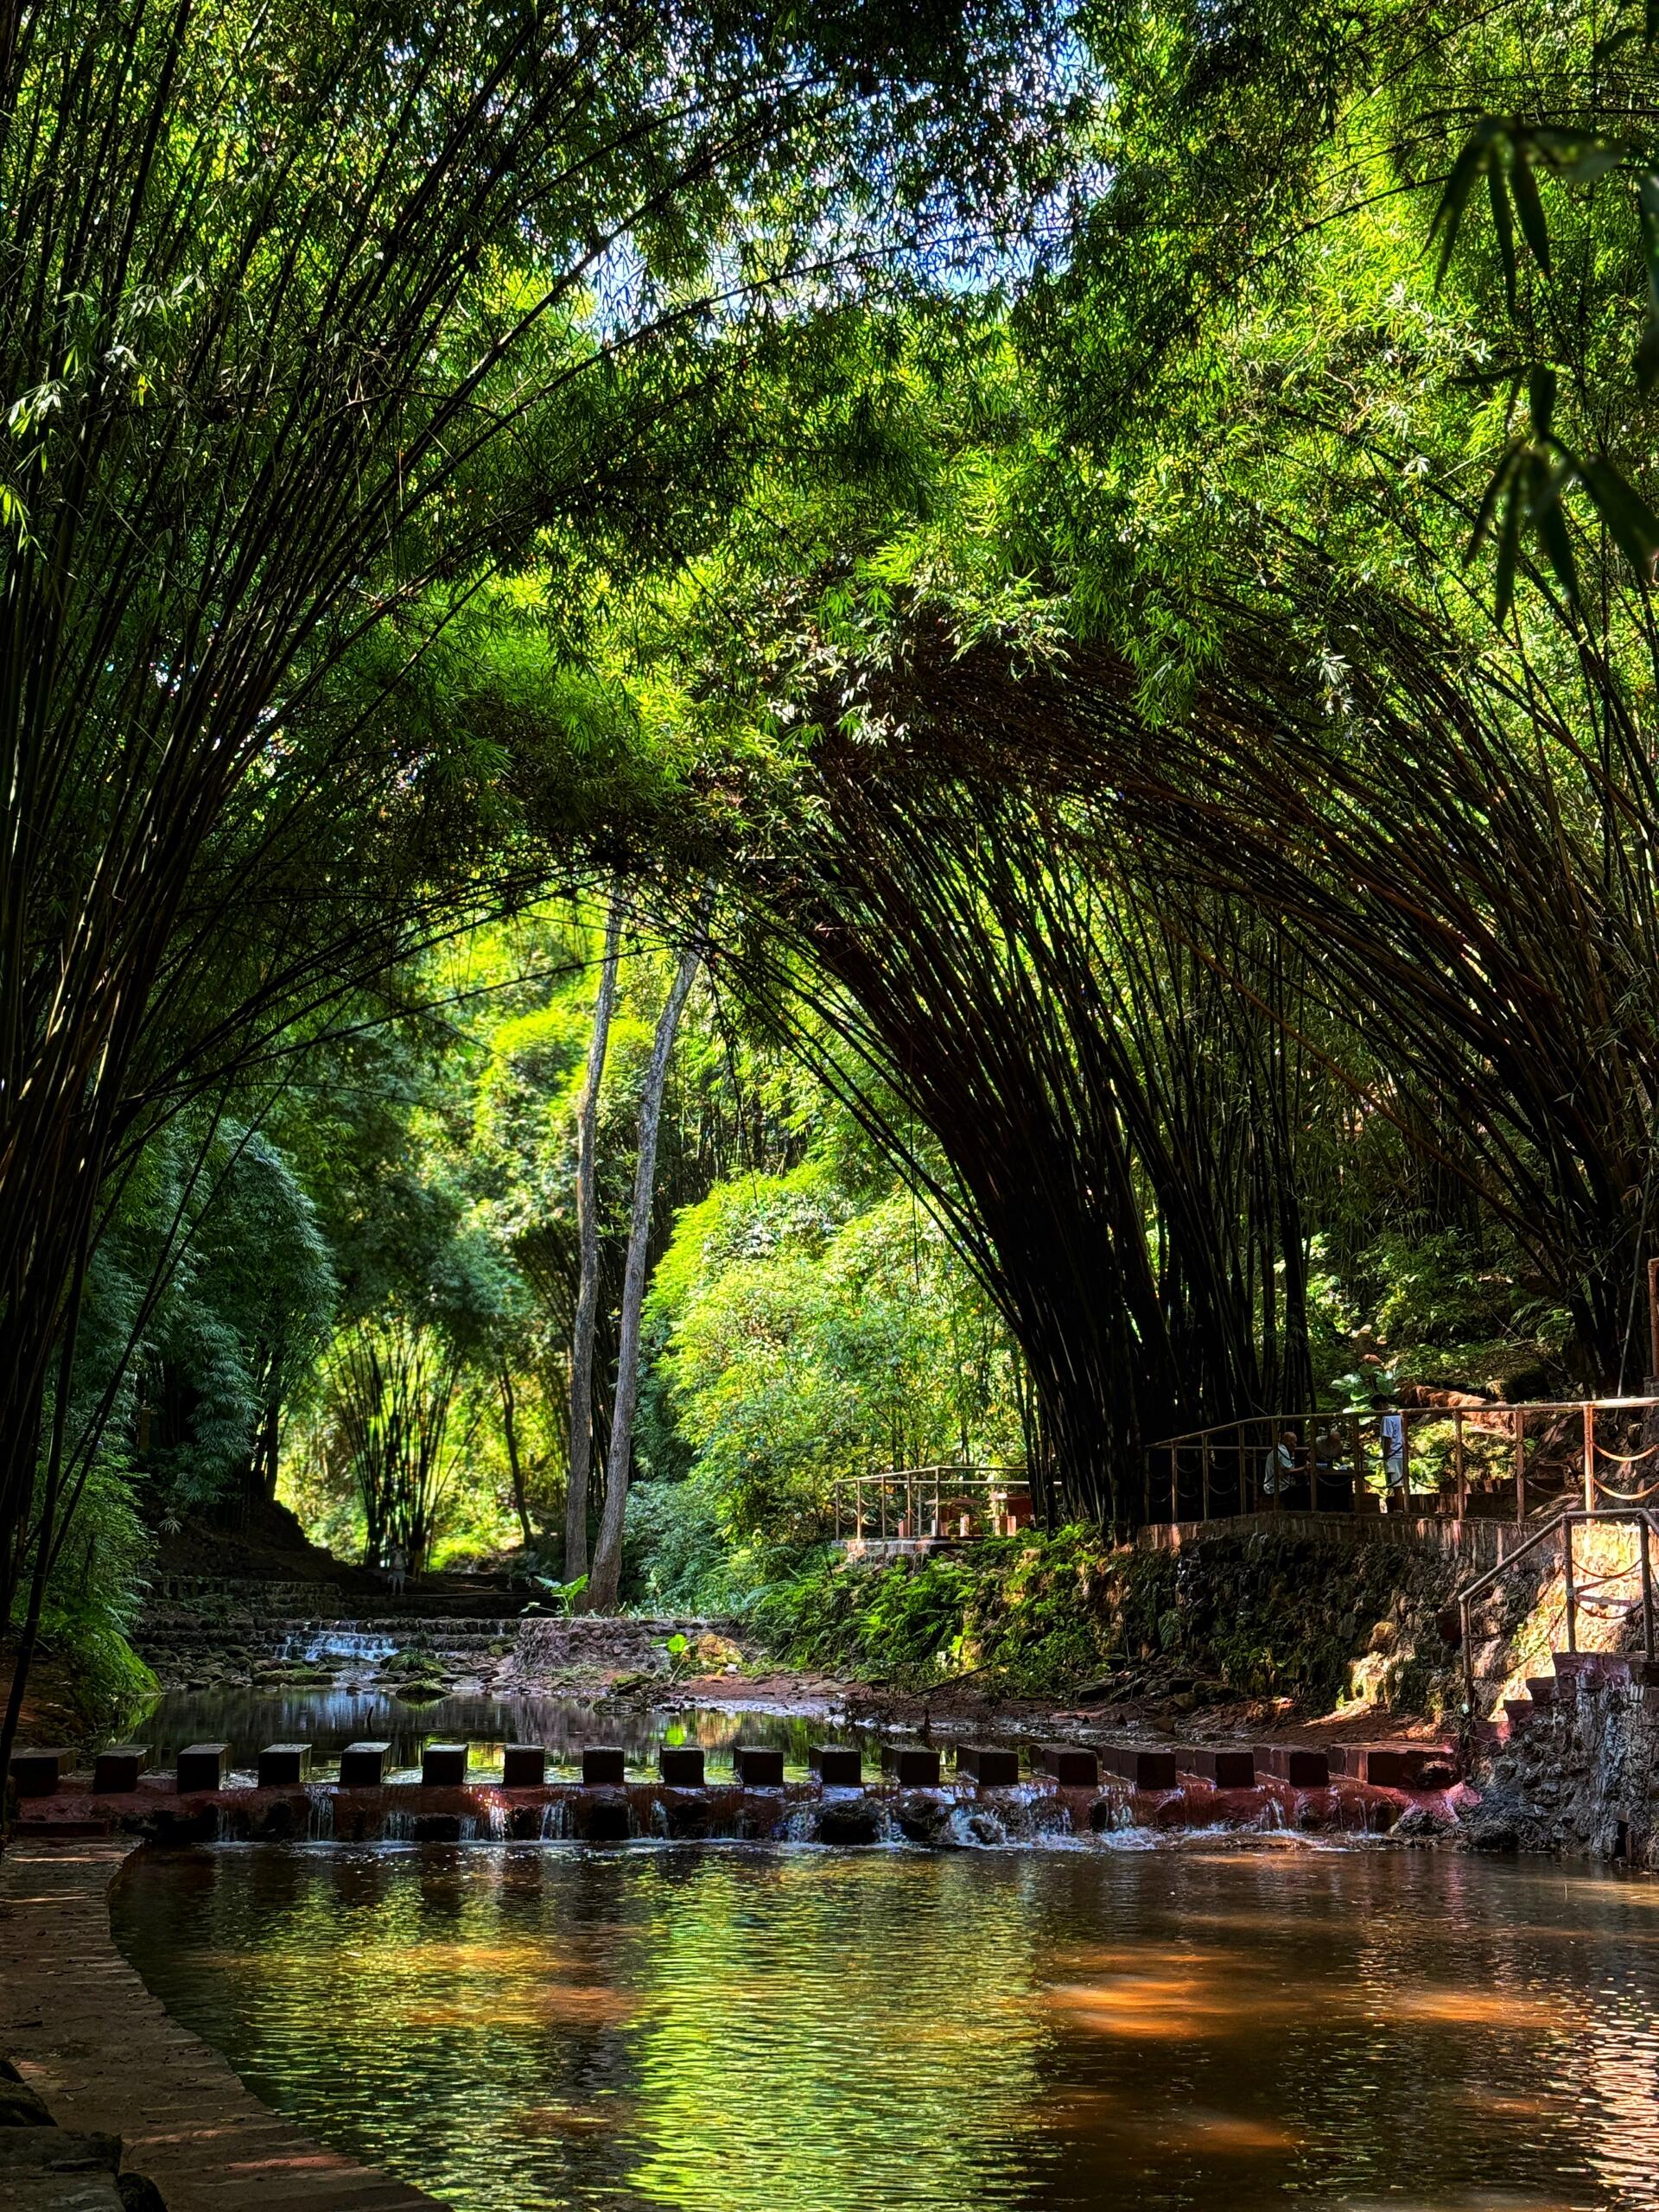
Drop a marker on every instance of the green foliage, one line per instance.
(93, 1594)
(802, 1333)
(1265, 1616)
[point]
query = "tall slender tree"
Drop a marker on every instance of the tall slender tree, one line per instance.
(605, 1581)
(586, 1318)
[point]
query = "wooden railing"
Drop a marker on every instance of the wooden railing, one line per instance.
(937, 1505)
(1578, 1589)
(1452, 1460)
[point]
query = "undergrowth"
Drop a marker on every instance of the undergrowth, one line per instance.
(1258, 1616)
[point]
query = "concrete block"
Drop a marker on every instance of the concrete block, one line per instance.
(524, 1766)
(37, 1772)
(681, 1765)
(603, 1765)
(992, 1766)
(1302, 1768)
(282, 1766)
(201, 1766)
(1074, 1766)
(758, 1767)
(1385, 1766)
(838, 1766)
(116, 1772)
(443, 1766)
(912, 1766)
(1228, 1767)
(1142, 1766)
(363, 1766)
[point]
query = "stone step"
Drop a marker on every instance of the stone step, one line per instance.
(1397, 1766)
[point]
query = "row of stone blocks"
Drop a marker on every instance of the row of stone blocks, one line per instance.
(912, 1766)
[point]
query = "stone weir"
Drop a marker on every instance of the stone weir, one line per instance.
(962, 1813)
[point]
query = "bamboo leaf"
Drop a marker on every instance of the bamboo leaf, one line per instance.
(1541, 394)
(1503, 225)
(1552, 533)
(1530, 209)
(1475, 157)
(1631, 521)
(1579, 156)
(1647, 200)
(1509, 547)
(1494, 492)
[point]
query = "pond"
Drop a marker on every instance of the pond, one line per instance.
(725, 2028)
(329, 1719)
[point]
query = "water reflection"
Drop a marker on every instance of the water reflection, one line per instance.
(720, 2029)
(329, 1719)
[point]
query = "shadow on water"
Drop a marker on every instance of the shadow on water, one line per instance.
(723, 2029)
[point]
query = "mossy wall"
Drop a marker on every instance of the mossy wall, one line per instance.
(1269, 1614)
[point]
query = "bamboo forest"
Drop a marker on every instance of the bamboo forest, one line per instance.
(828, 1105)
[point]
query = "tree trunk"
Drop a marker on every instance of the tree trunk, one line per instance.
(582, 1342)
(510, 1428)
(607, 1573)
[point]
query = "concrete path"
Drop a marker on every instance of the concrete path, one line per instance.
(83, 2030)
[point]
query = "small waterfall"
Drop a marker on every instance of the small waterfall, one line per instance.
(976, 1828)
(556, 1820)
(397, 1828)
(320, 1815)
(319, 1640)
(800, 1826)
(493, 1814)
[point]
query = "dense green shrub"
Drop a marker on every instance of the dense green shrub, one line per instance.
(1259, 1616)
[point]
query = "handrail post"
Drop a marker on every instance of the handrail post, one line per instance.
(1356, 1453)
(1520, 1427)
(1589, 1456)
(1572, 1593)
(1467, 1625)
(1175, 1477)
(1644, 1525)
(1206, 1474)
(1457, 1449)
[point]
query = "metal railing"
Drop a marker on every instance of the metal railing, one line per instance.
(1580, 1592)
(1450, 1460)
(934, 1505)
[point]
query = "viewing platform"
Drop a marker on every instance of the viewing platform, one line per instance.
(918, 1509)
(1458, 1458)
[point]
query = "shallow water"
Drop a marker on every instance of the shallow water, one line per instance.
(725, 2029)
(329, 1719)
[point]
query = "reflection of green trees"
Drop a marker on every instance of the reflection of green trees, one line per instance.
(706, 2031)
(818, 2029)
(515, 2027)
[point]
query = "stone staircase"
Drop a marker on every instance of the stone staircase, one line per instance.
(1575, 1764)
(191, 1619)
(1576, 1674)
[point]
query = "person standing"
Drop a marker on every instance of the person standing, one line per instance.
(1391, 1429)
(396, 1568)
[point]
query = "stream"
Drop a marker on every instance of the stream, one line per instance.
(720, 2029)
